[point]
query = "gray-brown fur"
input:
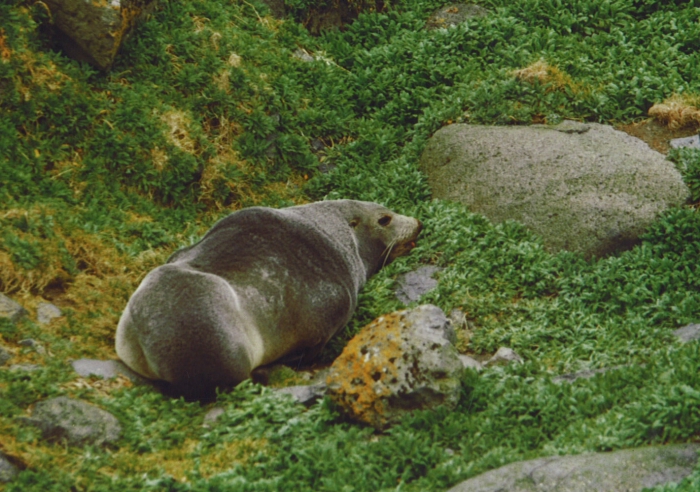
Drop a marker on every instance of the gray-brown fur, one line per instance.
(261, 285)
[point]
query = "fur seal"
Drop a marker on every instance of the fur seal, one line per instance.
(261, 285)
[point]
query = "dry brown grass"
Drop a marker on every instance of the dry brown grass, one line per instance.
(678, 111)
(544, 73)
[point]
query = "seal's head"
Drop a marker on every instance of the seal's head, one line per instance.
(382, 235)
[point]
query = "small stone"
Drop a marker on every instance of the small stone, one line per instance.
(303, 55)
(75, 421)
(504, 356)
(688, 333)
(10, 309)
(571, 377)
(30, 342)
(5, 356)
(306, 395)
(25, 367)
(212, 416)
(687, 142)
(413, 285)
(45, 312)
(470, 362)
(8, 471)
(106, 369)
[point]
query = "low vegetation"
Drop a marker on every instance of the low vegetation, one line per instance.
(209, 110)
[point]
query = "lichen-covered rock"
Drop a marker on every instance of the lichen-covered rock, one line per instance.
(76, 421)
(93, 31)
(400, 362)
(10, 309)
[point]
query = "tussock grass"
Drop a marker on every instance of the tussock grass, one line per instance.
(678, 111)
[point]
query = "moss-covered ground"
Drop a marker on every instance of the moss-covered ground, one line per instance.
(208, 110)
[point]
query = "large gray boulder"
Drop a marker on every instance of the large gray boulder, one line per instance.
(630, 470)
(75, 421)
(583, 187)
(94, 31)
(399, 363)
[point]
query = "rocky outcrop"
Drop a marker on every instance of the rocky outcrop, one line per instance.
(582, 187)
(94, 31)
(621, 471)
(75, 421)
(400, 362)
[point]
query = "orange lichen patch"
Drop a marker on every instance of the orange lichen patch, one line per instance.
(544, 73)
(358, 376)
(678, 111)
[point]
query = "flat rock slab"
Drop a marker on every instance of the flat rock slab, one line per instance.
(106, 369)
(413, 285)
(586, 188)
(621, 471)
(77, 422)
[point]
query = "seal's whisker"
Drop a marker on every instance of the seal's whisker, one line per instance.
(387, 251)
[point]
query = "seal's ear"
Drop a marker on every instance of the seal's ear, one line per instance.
(384, 220)
(354, 222)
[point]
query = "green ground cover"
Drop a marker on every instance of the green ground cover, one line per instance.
(207, 110)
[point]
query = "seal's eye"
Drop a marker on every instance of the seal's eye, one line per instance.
(384, 220)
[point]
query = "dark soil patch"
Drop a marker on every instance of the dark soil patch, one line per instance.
(655, 134)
